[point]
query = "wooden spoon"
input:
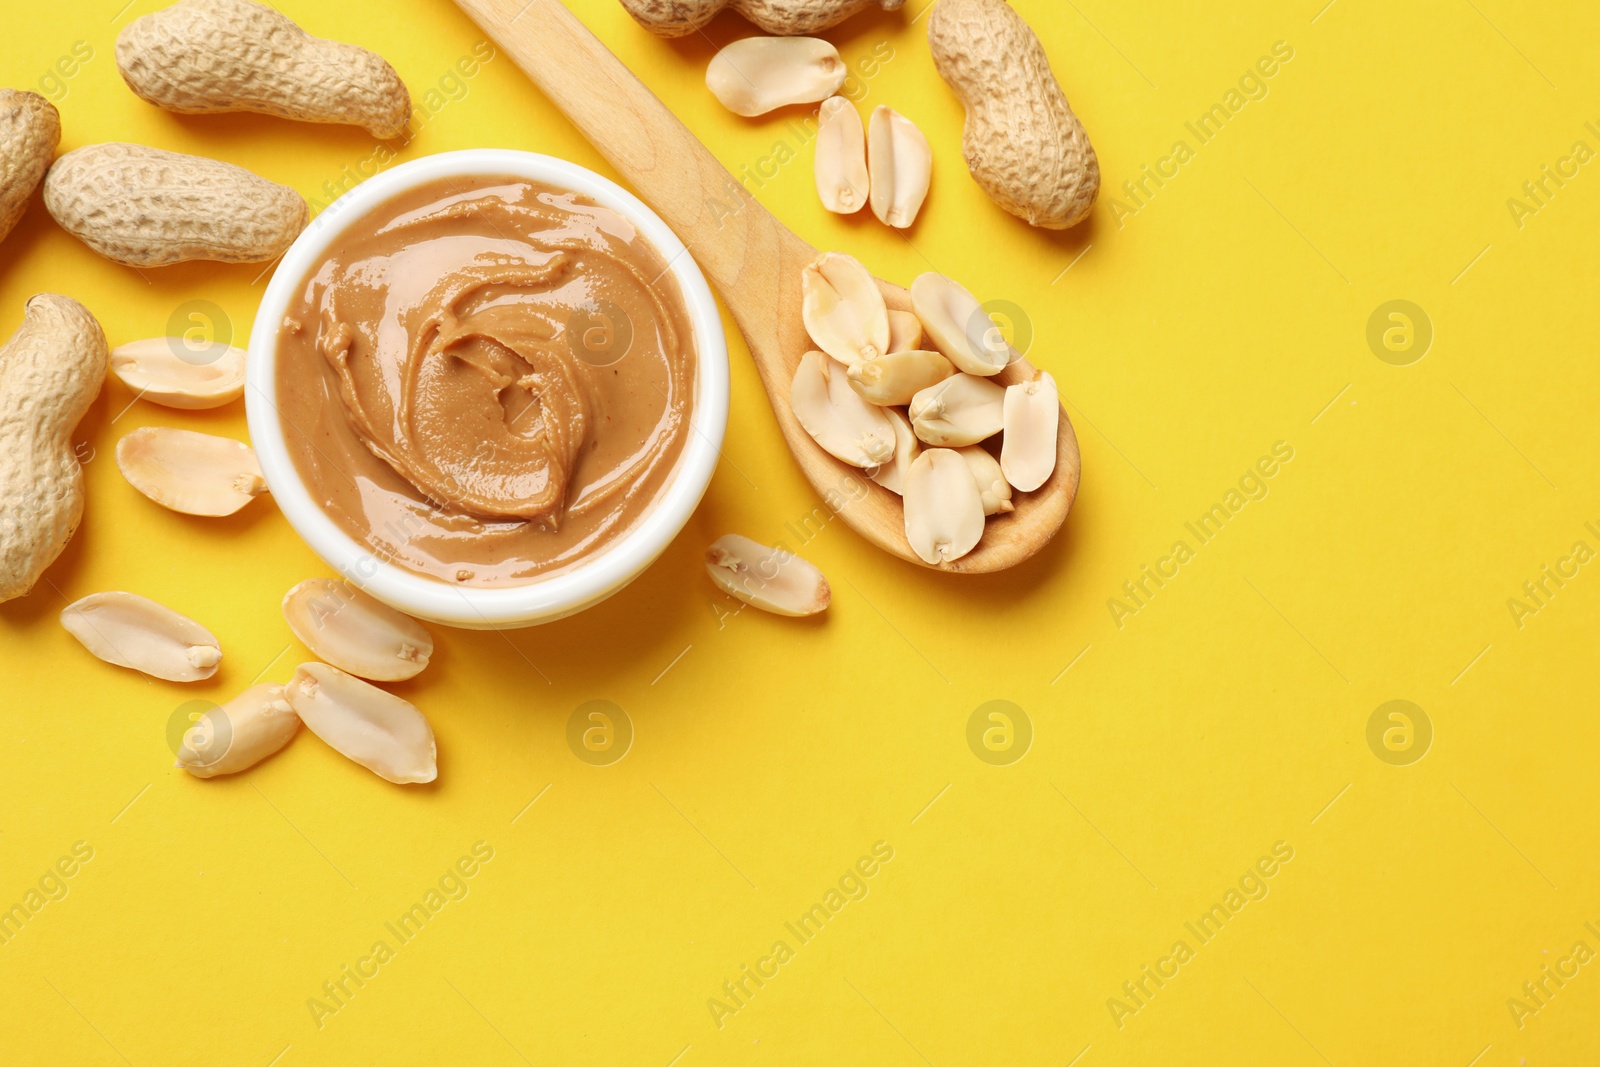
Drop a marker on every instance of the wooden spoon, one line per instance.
(754, 261)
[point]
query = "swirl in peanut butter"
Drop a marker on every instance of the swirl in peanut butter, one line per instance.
(487, 379)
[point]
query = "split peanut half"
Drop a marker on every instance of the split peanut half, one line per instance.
(355, 633)
(132, 631)
(843, 308)
(846, 426)
(892, 475)
(772, 579)
(385, 734)
(944, 508)
(961, 410)
(992, 484)
(1031, 415)
(959, 327)
(905, 332)
(761, 74)
(239, 734)
(163, 370)
(841, 165)
(900, 163)
(895, 378)
(195, 473)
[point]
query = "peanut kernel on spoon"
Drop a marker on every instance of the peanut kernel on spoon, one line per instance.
(961, 410)
(841, 163)
(959, 327)
(1031, 415)
(843, 308)
(132, 631)
(905, 332)
(772, 579)
(893, 379)
(356, 633)
(992, 484)
(892, 475)
(760, 74)
(195, 473)
(846, 427)
(944, 508)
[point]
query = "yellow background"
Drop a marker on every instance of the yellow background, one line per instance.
(1228, 313)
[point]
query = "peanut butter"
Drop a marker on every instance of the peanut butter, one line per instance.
(487, 380)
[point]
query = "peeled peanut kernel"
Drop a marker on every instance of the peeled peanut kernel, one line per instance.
(1031, 415)
(772, 579)
(385, 734)
(900, 163)
(892, 475)
(843, 308)
(761, 74)
(846, 426)
(164, 371)
(905, 332)
(959, 327)
(239, 734)
(897, 377)
(961, 410)
(194, 473)
(132, 631)
(355, 633)
(992, 484)
(944, 509)
(841, 165)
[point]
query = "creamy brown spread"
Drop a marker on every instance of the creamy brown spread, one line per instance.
(487, 379)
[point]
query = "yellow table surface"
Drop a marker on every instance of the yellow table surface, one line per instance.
(1196, 325)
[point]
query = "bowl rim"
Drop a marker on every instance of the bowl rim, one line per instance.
(584, 583)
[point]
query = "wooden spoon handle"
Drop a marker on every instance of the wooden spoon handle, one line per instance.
(737, 242)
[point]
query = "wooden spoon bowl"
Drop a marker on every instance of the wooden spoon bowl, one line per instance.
(753, 260)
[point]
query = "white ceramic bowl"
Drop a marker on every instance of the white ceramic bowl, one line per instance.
(579, 586)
